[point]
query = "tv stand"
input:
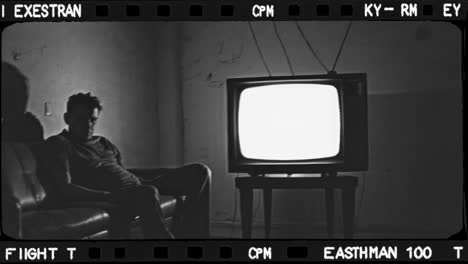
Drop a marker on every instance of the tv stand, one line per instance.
(330, 174)
(329, 182)
(256, 175)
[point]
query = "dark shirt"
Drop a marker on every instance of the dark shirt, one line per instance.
(94, 164)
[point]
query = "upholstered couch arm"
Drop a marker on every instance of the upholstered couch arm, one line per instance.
(148, 173)
(12, 217)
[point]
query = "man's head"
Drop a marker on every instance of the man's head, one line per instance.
(82, 114)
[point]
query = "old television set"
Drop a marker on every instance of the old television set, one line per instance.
(297, 124)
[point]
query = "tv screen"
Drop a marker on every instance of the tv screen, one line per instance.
(289, 122)
(297, 124)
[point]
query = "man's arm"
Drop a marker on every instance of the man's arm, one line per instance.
(115, 149)
(80, 193)
(130, 177)
(58, 170)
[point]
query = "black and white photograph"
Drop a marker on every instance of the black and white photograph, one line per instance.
(231, 130)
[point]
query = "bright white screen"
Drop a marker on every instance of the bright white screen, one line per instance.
(289, 122)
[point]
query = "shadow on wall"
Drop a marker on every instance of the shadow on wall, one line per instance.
(17, 124)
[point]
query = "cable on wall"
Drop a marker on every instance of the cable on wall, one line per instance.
(283, 47)
(258, 48)
(310, 47)
(342, 44)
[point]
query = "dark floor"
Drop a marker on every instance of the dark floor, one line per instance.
(228, 230)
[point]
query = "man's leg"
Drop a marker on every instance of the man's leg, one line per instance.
(144, 201)
(120, 218)
(194, 182)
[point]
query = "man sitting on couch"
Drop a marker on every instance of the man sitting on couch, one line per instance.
(85, 167)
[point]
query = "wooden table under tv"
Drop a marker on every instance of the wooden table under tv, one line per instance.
(347, 184)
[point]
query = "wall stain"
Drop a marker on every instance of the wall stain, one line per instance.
(209, 76)
(216, 84)
(192, 77)
(16, 54)
(235, 56)
(220, 47)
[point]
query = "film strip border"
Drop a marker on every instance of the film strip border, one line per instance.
(232, 250)
(229, 10)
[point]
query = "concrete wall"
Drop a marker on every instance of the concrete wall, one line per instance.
(132, 67)
(415, 119)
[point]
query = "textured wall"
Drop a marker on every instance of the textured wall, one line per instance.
(414, 81)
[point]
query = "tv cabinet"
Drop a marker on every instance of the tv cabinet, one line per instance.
(347, 184)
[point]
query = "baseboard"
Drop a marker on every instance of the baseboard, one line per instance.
(257, 224)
